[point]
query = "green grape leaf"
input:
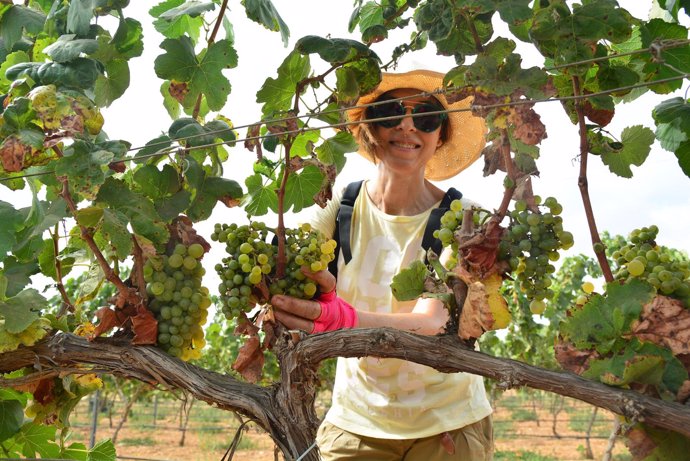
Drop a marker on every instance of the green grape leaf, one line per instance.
(212, 190)
(204, 76)
(89, 216)
(671, 135)
(513, 12)
(79, 73)
(277, 93)
(128, 39)
(151, 148)
(674, 110)
(10, 222)
(3, 285)
(601, 322)
(18, 57)
(347, 86)
(599, 20)
(18, 113)
(616, 76)
(38, 439)
(114, 229)
(170, 207)
(408, 284)
(191, 8)
(40, 217)
(182, 25)
(300, 144)
(264, 13)
(67, 47)
(623, 370)
(79, 16)
(302, 187)
(102, 451)
(370, 14)
(84, 165)
(260, 198)
(113, 83)
(76, 451)
(332, 151)
(17, 274)
(11, 418)
(683, 156)
(91, 284)
(17, 18)
(139, 210)
(172, 105)
(333, 50)
(155, 183)
(21, 310)
(637, 142)
(47, 259)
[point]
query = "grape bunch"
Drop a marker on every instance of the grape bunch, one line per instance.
(531, 244)
(450, 221)
(248, 273)
(179, 301)
(665, 269)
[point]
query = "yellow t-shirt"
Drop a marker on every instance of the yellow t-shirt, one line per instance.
(391, 398)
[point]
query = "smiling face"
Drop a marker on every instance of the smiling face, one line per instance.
(403, 148)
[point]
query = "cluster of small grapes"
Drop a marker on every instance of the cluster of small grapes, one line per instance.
(451, 220)
(531, 244)
(251, 261)
(179, 301)
(668, 271)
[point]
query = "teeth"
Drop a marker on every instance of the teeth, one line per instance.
(406, 145)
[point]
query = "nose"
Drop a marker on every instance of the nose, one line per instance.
(407, 123)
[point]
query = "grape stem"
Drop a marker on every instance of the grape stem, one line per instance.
(138, 269)
(510, 172)
(583, 184)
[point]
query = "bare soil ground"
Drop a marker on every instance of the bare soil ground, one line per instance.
(513, 434)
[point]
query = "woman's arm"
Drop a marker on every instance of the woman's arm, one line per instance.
(428, 317)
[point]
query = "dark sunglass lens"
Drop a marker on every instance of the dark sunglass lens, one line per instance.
(391, 109)
(428, 123)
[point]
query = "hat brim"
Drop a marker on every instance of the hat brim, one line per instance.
(466, 133)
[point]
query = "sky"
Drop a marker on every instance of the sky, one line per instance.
(657, 193)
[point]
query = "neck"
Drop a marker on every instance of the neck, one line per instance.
(402, 195)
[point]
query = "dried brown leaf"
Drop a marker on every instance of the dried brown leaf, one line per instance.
(72, 124)
(12, 153)
(252, 140)
(665, 322)
(571, 358)
(493, 160)
(250, 360)
(528, 125)
(145, 327)
(601, 117)
(178, 90)
(639, 443)
(107, 320)
(182, 231)
(476, 316)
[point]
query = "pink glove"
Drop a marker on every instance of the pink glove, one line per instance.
(336, 314)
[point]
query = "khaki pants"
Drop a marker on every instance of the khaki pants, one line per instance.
(472, 443)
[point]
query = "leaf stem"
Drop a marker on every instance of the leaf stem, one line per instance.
(583, 185)
(138, 269)
(67, 303)
(209, 42)
(510, 172)
(129, 295)
(473, 30)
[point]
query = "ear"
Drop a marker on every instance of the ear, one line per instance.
(439, 143)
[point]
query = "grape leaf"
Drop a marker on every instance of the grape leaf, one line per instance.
(169, 207)
(113, 84)
(277, 93)
(10, 222)
(670, 135)
(13, 58)
(191, 8)
(79, 16)
(674, 109)
(601, 322)
(207, 196)
(302, 187)
(115, 230)
(16, 18)
(182, 25)
(128, 39)
(103, 451)
(263, 12)
(155, 183)
(83, 164)
(67, 47)
(138, 209)
(47, 259)
(332, 151)
(37, 438)
(648, 443)
(260, 198)
(76, 451)
(11, 418)
(637, 142)
(683, 155)
(21, 310)
(180, 63)
(408, 284)
(17, 274)
(334, 50)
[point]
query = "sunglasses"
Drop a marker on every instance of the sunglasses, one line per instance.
(425, 123)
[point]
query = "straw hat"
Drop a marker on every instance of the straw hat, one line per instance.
(465, 136)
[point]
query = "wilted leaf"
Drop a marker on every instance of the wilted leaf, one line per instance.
(250, 360)
(665, 322)
(145, 327)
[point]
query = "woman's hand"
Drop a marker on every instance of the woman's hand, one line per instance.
(325, 313)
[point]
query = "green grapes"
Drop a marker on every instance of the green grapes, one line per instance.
(248, 273)
(665, 269)
(450, 222)
(531, 244)
(178, 300)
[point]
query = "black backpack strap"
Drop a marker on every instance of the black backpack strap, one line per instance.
(434, 223)
(343, 225)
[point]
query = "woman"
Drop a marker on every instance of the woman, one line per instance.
(391, 409)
